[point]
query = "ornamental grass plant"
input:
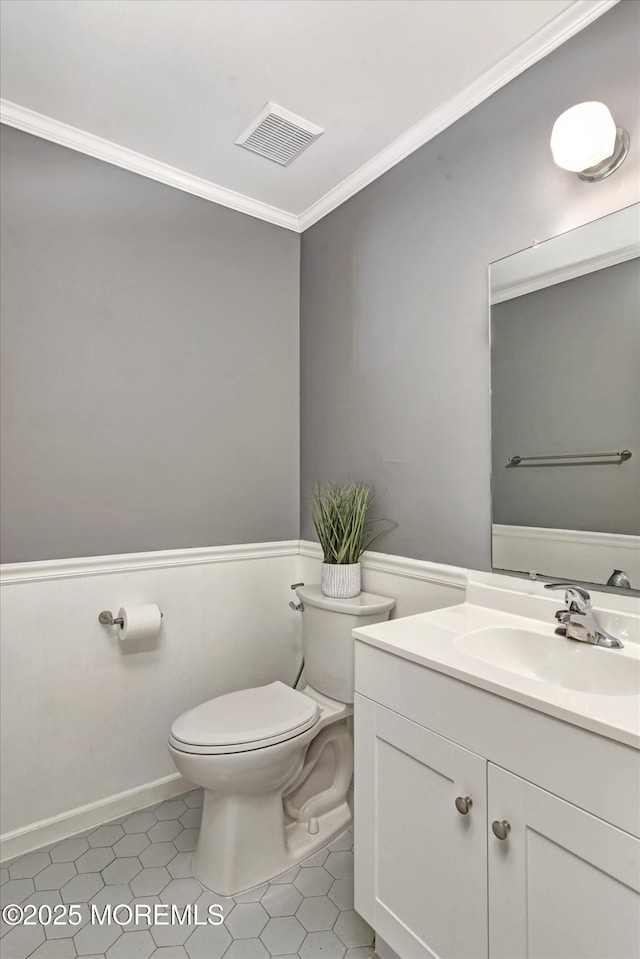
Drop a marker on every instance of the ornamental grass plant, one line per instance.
(339, 514)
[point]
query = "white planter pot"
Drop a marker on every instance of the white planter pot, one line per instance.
(340, 582)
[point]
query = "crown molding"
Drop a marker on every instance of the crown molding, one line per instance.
(584, 249)
(571, 271)
(554, 34)
(57, 132)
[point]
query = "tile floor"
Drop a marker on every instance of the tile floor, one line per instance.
(145, 858)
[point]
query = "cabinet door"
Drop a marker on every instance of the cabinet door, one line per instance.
(420, 866)
(563, 884)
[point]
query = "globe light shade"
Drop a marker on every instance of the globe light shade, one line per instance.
(583, 136)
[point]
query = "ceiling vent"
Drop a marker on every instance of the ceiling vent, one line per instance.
(278, 134)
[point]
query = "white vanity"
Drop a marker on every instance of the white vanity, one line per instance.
(498, 781)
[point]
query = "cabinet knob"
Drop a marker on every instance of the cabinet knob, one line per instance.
(501, 828)
(463, 804)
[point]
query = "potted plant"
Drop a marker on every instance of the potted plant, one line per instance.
(339, 514)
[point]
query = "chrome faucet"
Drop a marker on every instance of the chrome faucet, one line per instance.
(620, 579)
(578, 603)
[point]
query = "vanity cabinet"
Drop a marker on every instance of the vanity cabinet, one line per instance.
(422, 872)
(436, 882)
(563, 883)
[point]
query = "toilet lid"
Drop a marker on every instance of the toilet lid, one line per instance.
(247, 719)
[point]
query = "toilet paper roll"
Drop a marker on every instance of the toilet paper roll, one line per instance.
(139, 622)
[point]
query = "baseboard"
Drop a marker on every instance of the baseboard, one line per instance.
(43, 833)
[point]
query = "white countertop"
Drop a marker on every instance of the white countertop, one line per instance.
(430, 640)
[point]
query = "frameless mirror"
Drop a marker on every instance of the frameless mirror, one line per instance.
(565, 405)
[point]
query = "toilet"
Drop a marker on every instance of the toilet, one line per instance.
(276, 763)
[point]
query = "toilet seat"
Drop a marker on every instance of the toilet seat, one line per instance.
(245, 720)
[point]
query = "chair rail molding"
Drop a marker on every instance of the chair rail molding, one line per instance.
(454, 576)
(129, 562)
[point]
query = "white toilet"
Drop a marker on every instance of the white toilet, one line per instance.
(276, 763)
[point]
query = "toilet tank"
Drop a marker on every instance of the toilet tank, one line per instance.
(327, 640)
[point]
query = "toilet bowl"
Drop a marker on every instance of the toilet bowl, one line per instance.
(276, 763)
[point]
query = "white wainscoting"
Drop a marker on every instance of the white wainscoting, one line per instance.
(416, 586)
(85, 718)
(566, 553)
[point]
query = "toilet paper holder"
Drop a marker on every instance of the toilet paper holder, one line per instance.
(106, 618)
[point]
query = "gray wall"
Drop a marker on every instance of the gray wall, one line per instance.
(565, 378)
(149, 364)
(394, 328)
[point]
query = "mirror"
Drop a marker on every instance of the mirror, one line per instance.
(565, 405)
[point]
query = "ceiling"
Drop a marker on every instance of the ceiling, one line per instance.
(178, 80)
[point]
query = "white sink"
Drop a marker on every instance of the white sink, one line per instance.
(554, 659)
(514, 652)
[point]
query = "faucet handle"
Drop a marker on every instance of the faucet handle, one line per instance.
(576, 597)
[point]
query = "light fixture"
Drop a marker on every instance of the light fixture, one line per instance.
(586, 141)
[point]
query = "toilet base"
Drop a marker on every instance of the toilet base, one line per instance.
(266, 810)
(249, 838)
(299, 845)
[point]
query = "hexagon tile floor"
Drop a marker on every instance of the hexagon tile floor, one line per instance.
(145, 857)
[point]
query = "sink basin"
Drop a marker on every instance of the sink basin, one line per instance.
(554, 659)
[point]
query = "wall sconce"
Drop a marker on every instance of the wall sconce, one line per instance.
(586, 141)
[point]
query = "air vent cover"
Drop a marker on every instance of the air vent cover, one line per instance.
(278, 134)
